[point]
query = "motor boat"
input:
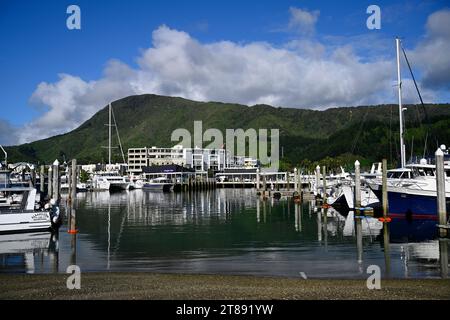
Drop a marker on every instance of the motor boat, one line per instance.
(159, 184)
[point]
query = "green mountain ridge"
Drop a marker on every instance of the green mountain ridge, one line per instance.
(306, 136)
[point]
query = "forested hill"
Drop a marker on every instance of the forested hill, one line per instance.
(335, 136)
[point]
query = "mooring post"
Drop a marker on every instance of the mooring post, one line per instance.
(384, 189)
(295, 180)
(387, 255)
(33, 175)
(42, 182)
(324, 183)
(73, 224)
(357, 203)
(257, 180)
(317, 179)
(55, 181)
(440, 187)
(49, 181)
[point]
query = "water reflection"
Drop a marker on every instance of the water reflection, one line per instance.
(228, 231)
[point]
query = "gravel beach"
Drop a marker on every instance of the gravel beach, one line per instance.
(185, 287)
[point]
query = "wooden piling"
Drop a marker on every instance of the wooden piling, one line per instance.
(324, 184)
(49, 182)
(317, 179)
(257, 180)
(73, 195)
(295, 180)
(357, 203)
(384, 189)
(33, 176)
(440, 187)
(55, 181)
(42, 181)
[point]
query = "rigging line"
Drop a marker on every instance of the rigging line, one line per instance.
(118, 137)
(418, 92)
(415, 83)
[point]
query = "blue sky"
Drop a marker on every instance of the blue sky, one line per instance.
(37, 48)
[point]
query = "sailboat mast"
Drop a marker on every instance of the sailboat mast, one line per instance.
(400, 107)
(109, 132)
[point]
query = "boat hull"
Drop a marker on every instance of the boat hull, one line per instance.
(25, 222)
(406, 204)
(158, 187)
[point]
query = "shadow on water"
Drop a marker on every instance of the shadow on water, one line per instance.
(226, 231)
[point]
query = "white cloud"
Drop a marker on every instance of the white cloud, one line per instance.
(433, 53)
(302, 20)
(302, 73)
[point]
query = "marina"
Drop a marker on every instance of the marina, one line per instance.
(296, 153)
(226, 231)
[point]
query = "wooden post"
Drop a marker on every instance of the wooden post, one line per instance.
(324, 183)
(33, 176)
(317, 179)
(440, 187)
(357, 185)
(55, 181)
(295, 180)
(384, 189)
(42, 180)
(49, 182)
(257, 180)
(73, 195)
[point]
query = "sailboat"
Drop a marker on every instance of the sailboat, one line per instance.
(110, 179)
(412, 188)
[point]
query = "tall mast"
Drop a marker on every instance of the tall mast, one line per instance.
(400, 107)
(109, 131)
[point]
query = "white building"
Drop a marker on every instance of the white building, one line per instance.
(196, 158)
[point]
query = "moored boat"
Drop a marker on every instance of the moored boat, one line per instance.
(159, 184)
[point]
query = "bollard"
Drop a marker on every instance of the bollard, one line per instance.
(384, 189)
(440, 187)
(357, 196)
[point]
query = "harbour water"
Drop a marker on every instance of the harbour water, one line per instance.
(226, 231)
